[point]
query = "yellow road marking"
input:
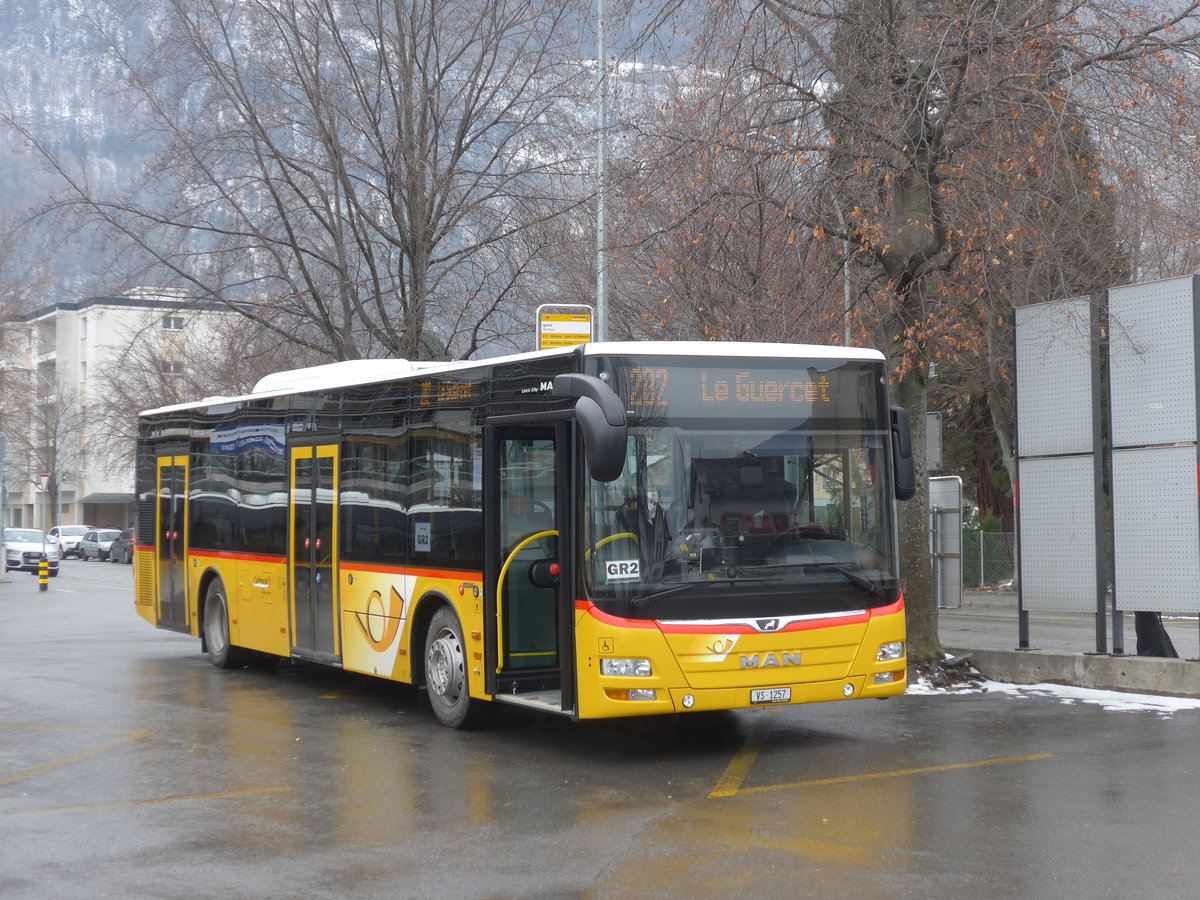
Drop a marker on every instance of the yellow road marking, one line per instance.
(74, 757)
(735, 773)
(729, 786)
(120, 804)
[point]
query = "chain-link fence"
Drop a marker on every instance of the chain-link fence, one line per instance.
(989, 558)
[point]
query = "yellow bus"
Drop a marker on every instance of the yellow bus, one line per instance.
(615, 529)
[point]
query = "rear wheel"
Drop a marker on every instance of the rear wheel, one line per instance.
(446, 673)
(221, 653)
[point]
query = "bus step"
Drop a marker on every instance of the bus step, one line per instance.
(548, 701)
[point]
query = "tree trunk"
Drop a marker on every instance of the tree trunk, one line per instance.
(916, 570)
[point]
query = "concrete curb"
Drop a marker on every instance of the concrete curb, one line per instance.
(1135, 674)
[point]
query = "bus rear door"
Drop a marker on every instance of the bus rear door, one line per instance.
(170, 537)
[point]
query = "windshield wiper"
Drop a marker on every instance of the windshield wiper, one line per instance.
(853, 577)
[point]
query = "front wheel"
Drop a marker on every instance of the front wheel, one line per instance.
(446, 673)
(221, 652)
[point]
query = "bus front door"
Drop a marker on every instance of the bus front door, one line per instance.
(529, 616)
(170, 538)
(312, 557)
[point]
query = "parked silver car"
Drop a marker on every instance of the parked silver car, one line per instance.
(25, 548)
(96, 543)
(67, 537)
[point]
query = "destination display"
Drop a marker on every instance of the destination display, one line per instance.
(690, 390)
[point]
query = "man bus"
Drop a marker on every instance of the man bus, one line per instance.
(614, 529)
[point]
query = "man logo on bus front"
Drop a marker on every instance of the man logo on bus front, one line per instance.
(768, 624)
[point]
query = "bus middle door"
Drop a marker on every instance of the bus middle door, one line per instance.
(312, 556)
(529, 618)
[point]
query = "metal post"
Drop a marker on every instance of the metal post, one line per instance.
(1098, 461)
(3, 483)
(43, 573)
(601, 179)
(935, 541)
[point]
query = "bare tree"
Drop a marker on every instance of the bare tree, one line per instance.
(939, 141)
(363, 178)
(46, 434)
(214, 355)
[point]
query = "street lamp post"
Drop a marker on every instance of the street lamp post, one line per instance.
(601, 178)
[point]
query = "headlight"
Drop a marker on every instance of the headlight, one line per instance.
(627, 668)
(892, 650)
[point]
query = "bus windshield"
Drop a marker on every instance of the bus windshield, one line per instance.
(774, 508)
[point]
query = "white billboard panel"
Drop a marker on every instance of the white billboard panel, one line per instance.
(1156, 529)
(1058, 533)
(1152, 362)
(1054, 377)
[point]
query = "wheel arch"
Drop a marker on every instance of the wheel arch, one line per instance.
(207, 577)
(431, 601)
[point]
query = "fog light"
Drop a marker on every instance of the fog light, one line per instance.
(636, 694)
(688, 701)
(847, 690)
(888, 652)
(885, 677)
(626, 668)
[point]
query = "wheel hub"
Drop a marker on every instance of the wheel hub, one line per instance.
(446, 667)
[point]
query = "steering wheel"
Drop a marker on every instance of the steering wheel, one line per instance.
(796, 533)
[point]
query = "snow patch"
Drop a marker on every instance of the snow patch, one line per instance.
(1115, 701)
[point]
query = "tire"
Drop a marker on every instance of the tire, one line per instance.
(53, 573)
(128, 557)
(221, 653)
(446, 673)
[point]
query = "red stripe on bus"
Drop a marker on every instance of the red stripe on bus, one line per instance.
(241, 557)
(700, 628)
(382, 569)
(448, 574)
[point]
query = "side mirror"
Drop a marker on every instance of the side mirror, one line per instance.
(904, 467)
(601, 417)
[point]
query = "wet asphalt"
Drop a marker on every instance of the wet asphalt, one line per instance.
(130, 767)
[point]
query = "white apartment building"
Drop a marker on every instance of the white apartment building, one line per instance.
(55, 471)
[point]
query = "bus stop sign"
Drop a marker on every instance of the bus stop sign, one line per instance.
(564, 325)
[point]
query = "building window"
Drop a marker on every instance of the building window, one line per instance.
(83, 328)
(82, 372)
(172, 367)
(172, 323)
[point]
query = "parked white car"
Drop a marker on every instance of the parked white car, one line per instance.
(25, 548)
(96, 543)
(67, 537)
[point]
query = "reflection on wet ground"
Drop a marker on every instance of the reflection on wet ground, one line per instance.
(129, 765)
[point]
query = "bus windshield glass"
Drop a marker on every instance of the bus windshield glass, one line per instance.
(756, 490)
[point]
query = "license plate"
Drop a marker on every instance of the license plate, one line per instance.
(771, 695)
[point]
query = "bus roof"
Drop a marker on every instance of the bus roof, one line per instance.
(355, 372)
